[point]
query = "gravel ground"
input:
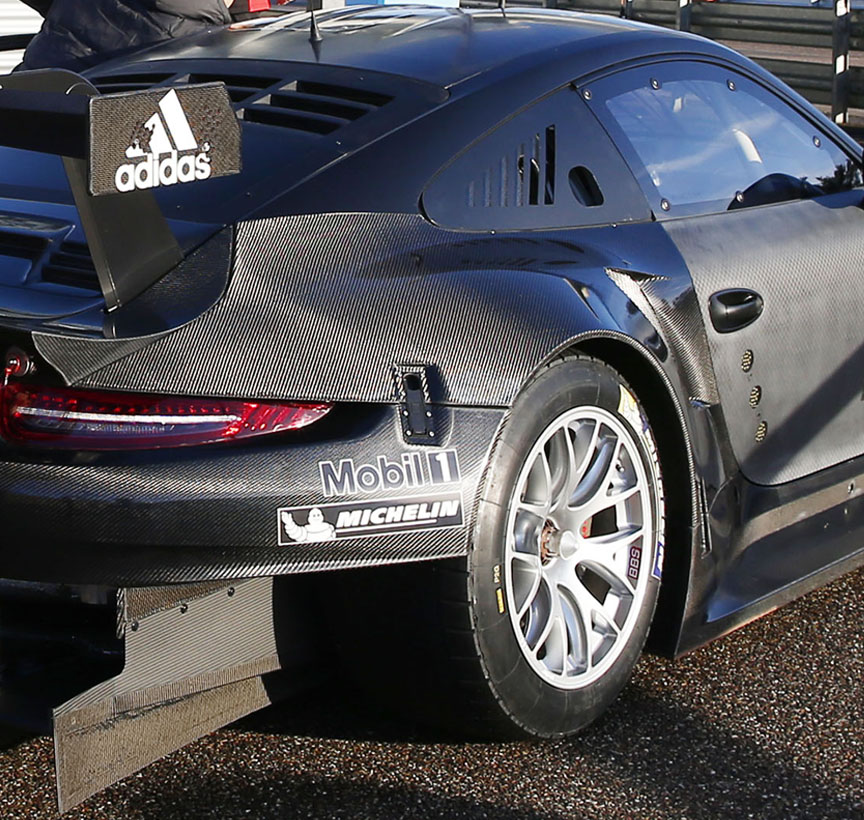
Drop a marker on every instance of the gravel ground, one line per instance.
(767, 723)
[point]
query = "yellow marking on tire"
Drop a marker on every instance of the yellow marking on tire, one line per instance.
(629, 409)
(499, 594)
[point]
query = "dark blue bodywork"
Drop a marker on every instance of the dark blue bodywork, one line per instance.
(353, 204)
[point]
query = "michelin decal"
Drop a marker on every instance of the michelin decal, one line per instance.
(438, 507)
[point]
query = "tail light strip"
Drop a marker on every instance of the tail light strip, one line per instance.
(66, 418)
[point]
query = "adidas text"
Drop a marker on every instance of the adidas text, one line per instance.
(154, 172)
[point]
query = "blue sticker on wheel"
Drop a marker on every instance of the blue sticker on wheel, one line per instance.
(657, 571)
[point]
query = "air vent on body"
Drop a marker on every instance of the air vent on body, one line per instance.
(18, 254)
(319, 108)
(22, 245)
(71, 265)
(239, 87)
(114, 84)
(302, 105)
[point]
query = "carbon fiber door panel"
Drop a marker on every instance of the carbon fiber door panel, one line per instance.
(791, 382)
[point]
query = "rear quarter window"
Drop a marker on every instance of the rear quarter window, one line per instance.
(550, 165)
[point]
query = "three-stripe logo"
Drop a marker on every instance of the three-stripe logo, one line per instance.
(170, 153)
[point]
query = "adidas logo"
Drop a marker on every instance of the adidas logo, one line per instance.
(165, 153)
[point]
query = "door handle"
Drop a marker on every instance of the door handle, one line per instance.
(732, 310)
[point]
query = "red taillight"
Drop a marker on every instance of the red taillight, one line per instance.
(93, 420)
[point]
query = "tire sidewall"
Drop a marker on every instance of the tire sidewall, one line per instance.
(535, 705)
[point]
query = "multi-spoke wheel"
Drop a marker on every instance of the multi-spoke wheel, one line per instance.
(539, 627)
(580, 517)
(568, 548)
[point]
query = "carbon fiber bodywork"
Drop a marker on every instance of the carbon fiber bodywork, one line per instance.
(178, 517)
(332, 267)
(816, 252)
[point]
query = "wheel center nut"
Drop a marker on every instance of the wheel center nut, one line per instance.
(567, 544)
(556, 544)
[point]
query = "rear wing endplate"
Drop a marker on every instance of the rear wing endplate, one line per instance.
(117, 149)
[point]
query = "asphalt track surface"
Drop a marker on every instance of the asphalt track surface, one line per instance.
(767, 723)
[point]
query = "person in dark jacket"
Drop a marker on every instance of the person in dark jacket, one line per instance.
(77, 34)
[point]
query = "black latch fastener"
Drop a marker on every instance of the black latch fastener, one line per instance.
(412, 391)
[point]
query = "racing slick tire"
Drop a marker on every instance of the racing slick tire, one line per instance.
(538, 629)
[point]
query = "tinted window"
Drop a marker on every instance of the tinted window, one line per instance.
(714, 140)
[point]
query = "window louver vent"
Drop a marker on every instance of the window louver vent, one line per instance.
(71, 265)
(524, 176)
(302, 105)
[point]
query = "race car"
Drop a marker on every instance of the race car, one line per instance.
(467, 346)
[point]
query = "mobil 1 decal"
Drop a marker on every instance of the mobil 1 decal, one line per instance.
(432, 499)
(426, 469)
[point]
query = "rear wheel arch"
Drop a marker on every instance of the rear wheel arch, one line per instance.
(451, 656)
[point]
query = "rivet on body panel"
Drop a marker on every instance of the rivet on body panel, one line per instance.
(747, 361)
(755, 396)
(761, 431)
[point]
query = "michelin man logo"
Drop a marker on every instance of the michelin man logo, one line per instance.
(315, 531)
(164, 152)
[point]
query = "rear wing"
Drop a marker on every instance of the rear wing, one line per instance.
(117, 149)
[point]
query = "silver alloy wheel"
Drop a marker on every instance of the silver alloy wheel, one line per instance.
(580, 539)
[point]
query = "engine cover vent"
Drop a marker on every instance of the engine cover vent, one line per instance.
(71, 265)
(304, 105)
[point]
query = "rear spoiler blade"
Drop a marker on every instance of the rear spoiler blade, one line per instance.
(115, 149)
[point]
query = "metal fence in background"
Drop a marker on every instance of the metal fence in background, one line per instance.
(807, 46)
(17, 23)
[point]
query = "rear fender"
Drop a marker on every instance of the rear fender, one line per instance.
(321, 307)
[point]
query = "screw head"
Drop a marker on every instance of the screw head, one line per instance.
(586, 94)
(730, 84)
(665, 205)
(655, 84)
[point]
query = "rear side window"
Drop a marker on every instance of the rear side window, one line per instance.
(702, 138)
